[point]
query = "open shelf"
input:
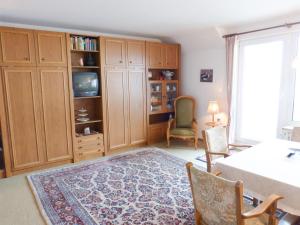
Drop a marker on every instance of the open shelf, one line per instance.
(86, 67)
(88, 51)
(88, 122)
(89, 97)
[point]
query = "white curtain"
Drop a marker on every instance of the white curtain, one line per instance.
(231, 58)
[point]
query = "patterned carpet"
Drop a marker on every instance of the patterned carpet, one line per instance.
(148, 186)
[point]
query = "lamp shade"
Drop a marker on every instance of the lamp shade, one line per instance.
(213, 107)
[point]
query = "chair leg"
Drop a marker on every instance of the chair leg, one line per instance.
(168, 141)
(196, 143)
(197, 218)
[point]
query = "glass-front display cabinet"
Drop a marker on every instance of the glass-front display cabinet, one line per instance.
(162, 96)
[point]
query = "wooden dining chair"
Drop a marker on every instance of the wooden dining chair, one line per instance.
(184, 125)
(296, 134)
(216, 144)
(218, 201)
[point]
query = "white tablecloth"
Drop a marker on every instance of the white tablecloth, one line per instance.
(265, 169)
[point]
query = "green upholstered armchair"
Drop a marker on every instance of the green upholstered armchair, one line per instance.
(184, 125)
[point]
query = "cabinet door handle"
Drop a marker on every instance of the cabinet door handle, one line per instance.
(121, 61)
(130, 62)
(25, 58)
(43, 59)
(80, 147)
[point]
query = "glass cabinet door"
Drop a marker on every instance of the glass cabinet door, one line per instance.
(171, 95)
(156, 97)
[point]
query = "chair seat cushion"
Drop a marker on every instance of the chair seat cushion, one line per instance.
(262, 220)
(182, 132)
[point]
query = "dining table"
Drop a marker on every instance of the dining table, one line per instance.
(271, 167)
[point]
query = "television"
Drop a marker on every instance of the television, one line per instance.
(85, 84)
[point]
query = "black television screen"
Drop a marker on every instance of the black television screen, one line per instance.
(85, 84)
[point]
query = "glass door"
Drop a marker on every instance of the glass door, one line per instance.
(156, 96)
(171, 94)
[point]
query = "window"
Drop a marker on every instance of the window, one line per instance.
(267, 87)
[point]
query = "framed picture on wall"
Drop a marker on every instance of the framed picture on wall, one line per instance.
(206, 75)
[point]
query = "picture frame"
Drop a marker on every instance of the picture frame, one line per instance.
(206, 75)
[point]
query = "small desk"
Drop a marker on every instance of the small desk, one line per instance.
(265, 169)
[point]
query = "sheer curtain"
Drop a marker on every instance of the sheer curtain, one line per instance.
(231, 60)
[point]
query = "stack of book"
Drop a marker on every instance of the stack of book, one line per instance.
(82, 43)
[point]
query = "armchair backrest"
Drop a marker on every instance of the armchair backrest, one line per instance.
(184, 111)
(216, 140)
(216, 200)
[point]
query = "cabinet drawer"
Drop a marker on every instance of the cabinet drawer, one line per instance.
(89, 139)
(90, 146)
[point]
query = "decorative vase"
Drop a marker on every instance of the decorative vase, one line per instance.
(90, 60)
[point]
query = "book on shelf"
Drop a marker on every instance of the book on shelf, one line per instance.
(83, 44)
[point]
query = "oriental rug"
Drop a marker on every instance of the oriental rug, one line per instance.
(147, 186)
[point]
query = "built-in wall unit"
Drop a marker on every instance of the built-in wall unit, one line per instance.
(69, 97)
(163, 75)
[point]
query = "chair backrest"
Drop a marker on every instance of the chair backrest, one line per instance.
(184, 111)
(296, 134)
(216, 140)
(217, 201)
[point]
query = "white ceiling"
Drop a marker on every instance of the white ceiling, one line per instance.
(152, 18)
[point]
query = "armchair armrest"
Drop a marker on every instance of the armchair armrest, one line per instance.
(216, 173)
(219, 153)
(263, 207)
(170, 122)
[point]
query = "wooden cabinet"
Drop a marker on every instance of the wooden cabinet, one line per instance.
(56, 113)
(117, 107)
(137, 105)
(136, 53)
(17, 47)
(171, 56)
(23, 105)
(157, 132)
(38, 112)
(155, 55)
(126, 107)
(115, 52)
(162, 56)
(51, 48)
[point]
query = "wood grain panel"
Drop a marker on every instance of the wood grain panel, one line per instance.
(56, 114)
(17, 47)
(23, 104)
(51, 48)
(171, 56)
(117, 117)
(136, 53)
(137, 105)
(115, 52)
(155, 55)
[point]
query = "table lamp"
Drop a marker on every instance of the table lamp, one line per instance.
(213, 108)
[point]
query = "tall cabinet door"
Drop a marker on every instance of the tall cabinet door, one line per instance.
(23, 105)
(51, 48)
(56, 113)
(115, 52)
(117, 107)
(137, 105)
(17, 47)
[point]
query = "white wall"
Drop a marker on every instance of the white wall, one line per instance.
(204, 49)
